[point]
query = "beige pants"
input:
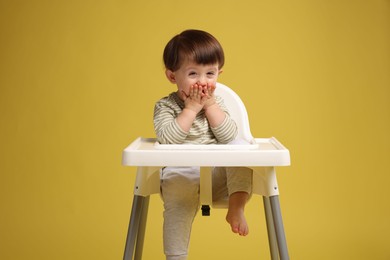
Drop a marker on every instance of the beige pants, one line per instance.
(180, 192)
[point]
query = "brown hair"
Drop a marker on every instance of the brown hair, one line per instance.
(198, 46)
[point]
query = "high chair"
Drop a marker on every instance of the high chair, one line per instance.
(260, 154)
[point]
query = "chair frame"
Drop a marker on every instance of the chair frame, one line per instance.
(264, 183)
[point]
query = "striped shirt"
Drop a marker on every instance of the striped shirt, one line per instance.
(168, 130)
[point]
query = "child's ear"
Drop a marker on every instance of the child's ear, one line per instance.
(170, 76)
(220, 71)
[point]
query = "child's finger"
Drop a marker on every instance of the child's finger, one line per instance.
(211, 88)
(206, 90)
(196, 90)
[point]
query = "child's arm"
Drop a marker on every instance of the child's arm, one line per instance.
(193, 104)
(222, 125)
(215, 115)
(165, 126)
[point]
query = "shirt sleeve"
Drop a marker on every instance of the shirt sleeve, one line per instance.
(227, 131)
(167, 129)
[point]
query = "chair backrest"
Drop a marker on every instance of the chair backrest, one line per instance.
(237, 111)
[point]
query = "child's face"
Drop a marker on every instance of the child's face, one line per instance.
(191, 73)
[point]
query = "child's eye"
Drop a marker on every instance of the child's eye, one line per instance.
(192, 73)
(211, 73)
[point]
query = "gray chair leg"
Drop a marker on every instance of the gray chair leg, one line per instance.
(278, 222)
(134, 225)
(273, 244)
(141, 230)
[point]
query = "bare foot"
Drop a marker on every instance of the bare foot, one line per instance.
(235, 216)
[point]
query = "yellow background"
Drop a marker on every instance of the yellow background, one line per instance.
(78, 81)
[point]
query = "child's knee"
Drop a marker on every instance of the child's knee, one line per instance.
(180, 190)
(239, 179)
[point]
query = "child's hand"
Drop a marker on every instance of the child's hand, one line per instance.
(194, 100)
(208, 98)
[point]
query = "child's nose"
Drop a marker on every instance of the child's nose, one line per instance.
(203, 80)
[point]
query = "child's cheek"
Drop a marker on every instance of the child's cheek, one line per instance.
(184, 89)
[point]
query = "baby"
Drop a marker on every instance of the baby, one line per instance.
(193, 114)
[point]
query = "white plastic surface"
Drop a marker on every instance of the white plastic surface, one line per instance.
(159, 146)
(236, 110)
(269, 152)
